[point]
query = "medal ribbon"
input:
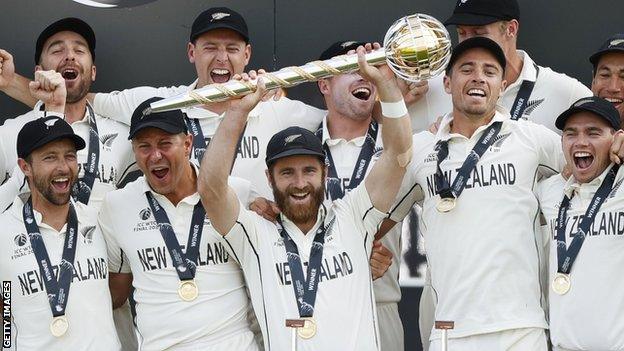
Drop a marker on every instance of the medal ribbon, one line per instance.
(486, 140)
(305, 289)
(522, 99)
(565, 258)
(58, 291)
(359, 171)
(184, 263)
(81, 191)
(199, 143)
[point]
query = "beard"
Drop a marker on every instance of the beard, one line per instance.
(44, 187)
(303, 213)
(79, 91)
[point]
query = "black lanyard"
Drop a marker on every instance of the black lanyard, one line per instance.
(359, 170)
(199, 143)
(522, 98)
(82, 189)
(565, 258)
(184, 263)
(305, 289)
(486, 140)
(58, 291)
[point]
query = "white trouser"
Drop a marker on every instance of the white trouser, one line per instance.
(525, 339)
(390, 327)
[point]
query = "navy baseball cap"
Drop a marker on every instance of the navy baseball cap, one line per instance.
(71, 24)
(219, 17)
(42, 131)
(477, 42)
(293, 141)
(482, 12)
(615, 43)
(170, 121)
(594, 104)
(340, 48)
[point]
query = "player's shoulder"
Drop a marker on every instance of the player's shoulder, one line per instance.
(126, 197)
(550, 190)
(556, 84)
(423, 141)
(13, 125)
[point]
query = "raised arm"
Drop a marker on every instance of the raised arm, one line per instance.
(219, 199)
(385, 177)
(13, 84)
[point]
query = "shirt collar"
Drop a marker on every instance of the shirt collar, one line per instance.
(199, 112)
(40, 105)
(327, 139)
(444, 132)
(573, 186)
(192, 199)
(21, 199)
(292, 228)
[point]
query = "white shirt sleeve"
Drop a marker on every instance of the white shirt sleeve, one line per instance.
(549, 149)
(362, 208)
(119, 105)
(244, 189)
(578, 91)
(242, 239)
(295, 113)
(117, 260)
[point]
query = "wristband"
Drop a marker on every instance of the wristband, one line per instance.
(393, 109)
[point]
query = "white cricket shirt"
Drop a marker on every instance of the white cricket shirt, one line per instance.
(89, 310)
(217, 319)
(344, 310)
(266, 119)
(116, 158)
(345, 154)
(552, 94)
(588, 317)
(482, 254)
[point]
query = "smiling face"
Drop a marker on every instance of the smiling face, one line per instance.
(349, 95)
(52, 170)
(298, 184)
(68, 53)
(608, 82)
(163, 158)
(218, 55)
(475, 83)
(586, 142)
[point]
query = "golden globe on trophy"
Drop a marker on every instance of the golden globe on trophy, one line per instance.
(416, 47)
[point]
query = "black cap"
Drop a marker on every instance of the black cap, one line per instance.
(615, 43)
(339, 48)
(219, 17)
(482, 12)
(293, 141)
(71, 24)
(41, 131)
(170, 121)
(477, 42)
(594, 104)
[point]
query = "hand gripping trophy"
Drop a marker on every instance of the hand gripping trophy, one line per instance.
(416, 47)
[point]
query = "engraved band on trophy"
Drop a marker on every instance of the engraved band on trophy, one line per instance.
(416, 47)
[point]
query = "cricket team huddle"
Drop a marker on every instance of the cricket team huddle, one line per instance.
(263, 223)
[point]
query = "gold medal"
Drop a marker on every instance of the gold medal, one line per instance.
(59, 326)
(308, 330)
(188, 290)
(446, 204)
(561, 283)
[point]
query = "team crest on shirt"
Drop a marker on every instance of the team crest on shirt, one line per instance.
(615, 188)
(20, 239)
(531, 106)
(498, 142)
(87, 234)
(145, 214)
(21, 246)
(107, 140)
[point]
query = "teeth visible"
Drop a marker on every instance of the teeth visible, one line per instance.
(159, 168)
(476, 92)
(614, 100)
(582, 154)
(60, 180)
(220, 71)
(300, 194)
(361, 90)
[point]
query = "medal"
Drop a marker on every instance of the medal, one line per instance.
(561, 284)
(308, 330)
(446, 204)
(188, 290)
(59, 326)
